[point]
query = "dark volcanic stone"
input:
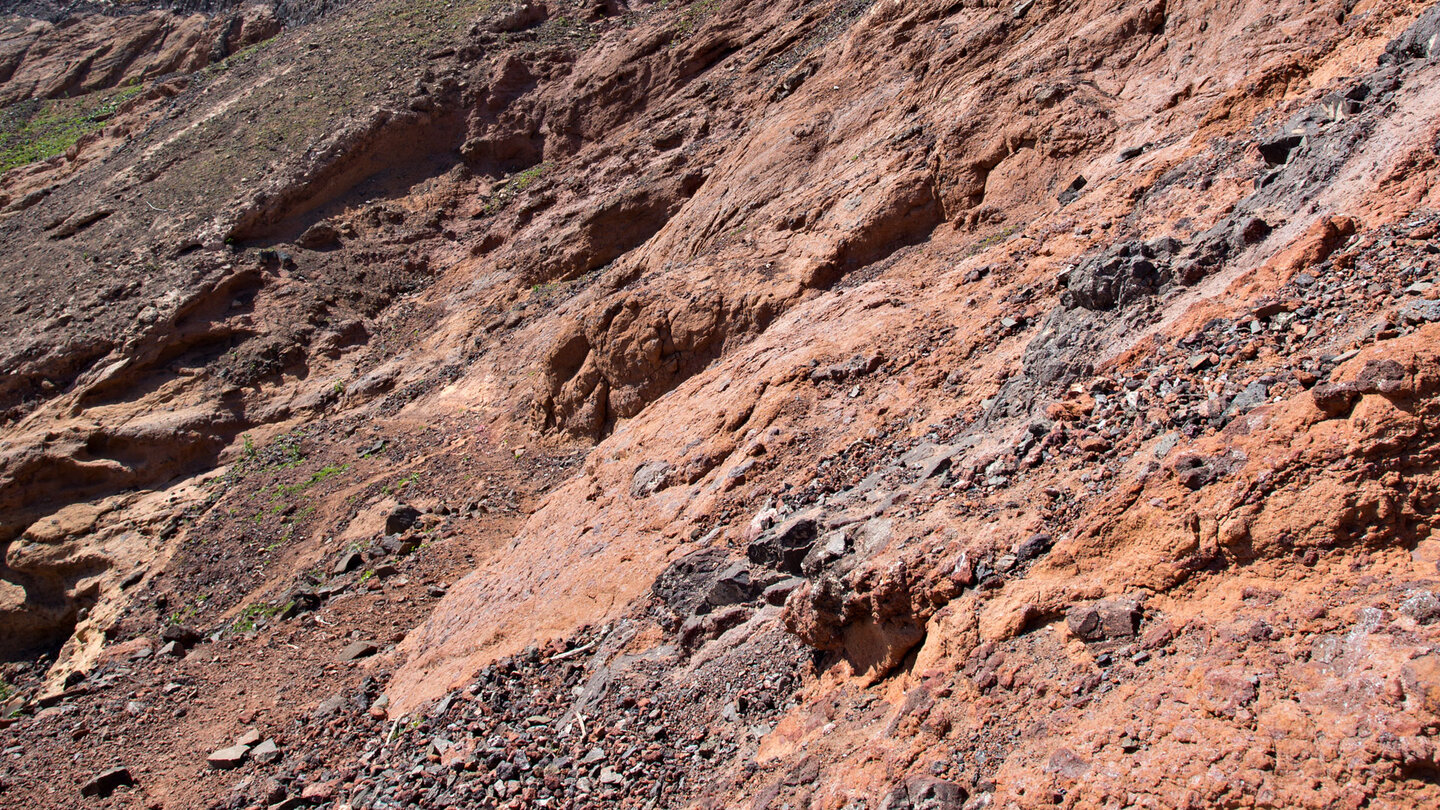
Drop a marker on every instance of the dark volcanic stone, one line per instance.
(103, 784)
(180, 634)
(401, 518)
(923, 793)
(784, 547)
(356, 650)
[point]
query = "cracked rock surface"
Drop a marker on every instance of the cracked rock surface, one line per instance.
(818, 404)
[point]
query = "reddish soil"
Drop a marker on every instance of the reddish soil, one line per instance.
(718, 404)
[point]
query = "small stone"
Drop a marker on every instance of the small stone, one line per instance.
(1130, 153)
(329, 706)
(401, 518)
(317, 792)
(228, 757)
(105, 783)
(273, 791)
(249, 738)
(1072, 191)
(356, 651)
(1034, 546)
(1252, 397)
(347, 562)
(1420, 679)
(320, 236)
(784, 547)
(329, 589)
(938, 463)
(1253, 230)
(610, 776)
(1108, 618)
(927, 793)
(180, 634)
(1158, 635)
(1267, 309)
(266, 752)
(805, 772)
(1201, 361)
(649, 478)
(172, 649)
(299, 602)
(858, 366)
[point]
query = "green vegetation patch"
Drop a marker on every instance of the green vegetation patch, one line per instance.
(326, 472)
(515, 185)
(36, 130)
(248, 619)
(692, 16)
(282, 454)
(402, 484)
(188, 612)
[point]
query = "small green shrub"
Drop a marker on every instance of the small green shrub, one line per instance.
(324, 473)
(245, 622)
(517, 183)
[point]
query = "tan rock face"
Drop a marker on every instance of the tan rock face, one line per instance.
(46, 61)
(812, 405)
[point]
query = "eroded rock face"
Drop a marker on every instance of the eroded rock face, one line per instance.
(41, 60)
(829, 405)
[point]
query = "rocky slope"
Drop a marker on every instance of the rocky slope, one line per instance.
(723, 404)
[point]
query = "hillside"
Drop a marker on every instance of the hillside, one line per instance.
(842, 404)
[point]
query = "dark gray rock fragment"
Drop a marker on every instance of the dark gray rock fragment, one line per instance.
(106, 783)
(1105, 619)
(401, 518)
(924, 793)
(784, 547)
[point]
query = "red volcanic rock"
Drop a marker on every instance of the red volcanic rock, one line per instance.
(810, 404)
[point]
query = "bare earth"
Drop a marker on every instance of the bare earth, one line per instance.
(834, 405)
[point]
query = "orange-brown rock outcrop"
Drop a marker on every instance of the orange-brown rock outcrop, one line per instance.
(824, 403)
